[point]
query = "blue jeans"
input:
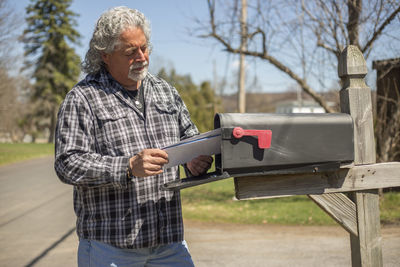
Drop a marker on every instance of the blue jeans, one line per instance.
(97, 254)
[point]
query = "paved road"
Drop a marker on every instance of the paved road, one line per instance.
(36, 214)
(37, 229)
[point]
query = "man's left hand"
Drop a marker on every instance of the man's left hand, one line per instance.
(199, 165)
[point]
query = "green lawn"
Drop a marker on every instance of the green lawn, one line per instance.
(214, 202)
(390, 208)
(10, 153)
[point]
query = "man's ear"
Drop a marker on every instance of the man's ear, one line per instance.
(105, 57)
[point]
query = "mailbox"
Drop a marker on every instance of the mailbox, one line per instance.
(260, 144)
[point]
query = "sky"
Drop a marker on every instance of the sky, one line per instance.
(173, 45)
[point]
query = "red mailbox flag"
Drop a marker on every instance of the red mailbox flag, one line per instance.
(264, 136)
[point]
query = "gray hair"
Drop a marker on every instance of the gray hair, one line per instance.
(106, 34)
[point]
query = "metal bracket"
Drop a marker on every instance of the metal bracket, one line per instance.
(193, 181)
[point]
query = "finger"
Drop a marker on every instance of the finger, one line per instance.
(159, 153)
(158, 161)
(199, 169)
(191, 168)
(204, 162)
(194, 171)
(153, 152)
(154, 158)
(201, 165)
(205, 158)
(152, 167)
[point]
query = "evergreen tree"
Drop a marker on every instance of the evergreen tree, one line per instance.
(54, 63)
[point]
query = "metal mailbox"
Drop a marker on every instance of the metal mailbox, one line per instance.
(266, 143)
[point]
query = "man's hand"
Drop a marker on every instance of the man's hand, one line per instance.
(148, 162)
(199, 165)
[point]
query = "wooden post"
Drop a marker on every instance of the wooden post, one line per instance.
(355, 99)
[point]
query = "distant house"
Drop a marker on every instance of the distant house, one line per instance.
(268, 102)
(296, 106)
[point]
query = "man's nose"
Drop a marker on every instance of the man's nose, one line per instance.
(140, 55)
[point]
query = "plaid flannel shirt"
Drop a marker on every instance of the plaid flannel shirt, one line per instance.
(98, 130)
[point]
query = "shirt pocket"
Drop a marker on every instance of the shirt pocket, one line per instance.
(112, 123)
(168, 123)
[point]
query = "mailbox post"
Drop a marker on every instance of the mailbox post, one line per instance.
(355, 99)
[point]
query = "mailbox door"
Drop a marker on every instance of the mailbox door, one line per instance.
(296, 141)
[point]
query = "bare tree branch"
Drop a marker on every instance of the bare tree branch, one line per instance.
(330, 49)
(334, 49)
(264, 55)
(290, 41)
(377, 33)
(340, 18)
(263, 43)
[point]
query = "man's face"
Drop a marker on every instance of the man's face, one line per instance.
(128, 63)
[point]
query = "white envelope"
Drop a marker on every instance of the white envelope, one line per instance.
(208, 143)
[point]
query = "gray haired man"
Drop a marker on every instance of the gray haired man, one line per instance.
(110, 129)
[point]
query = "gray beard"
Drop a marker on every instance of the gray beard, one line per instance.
(138, 76)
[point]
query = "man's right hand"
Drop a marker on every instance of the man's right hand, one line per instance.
(148, 162)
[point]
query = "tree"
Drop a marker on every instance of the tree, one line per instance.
(11, 98)
(10, 21)
(47, 40)
(303, 39)
(200, 100)
(8, 98)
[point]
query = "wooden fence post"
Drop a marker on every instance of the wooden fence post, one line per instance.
(355, 99)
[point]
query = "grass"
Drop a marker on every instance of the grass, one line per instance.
(390, 208)
(10, 153)
(214, 202)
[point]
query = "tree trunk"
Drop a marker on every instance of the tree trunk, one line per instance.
(354, 7)
(52, 125)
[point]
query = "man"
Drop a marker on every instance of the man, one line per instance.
(110, 129)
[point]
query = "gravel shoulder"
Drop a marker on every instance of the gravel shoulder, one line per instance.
(275, 245)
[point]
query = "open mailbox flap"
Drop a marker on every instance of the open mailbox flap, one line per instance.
(266, 143)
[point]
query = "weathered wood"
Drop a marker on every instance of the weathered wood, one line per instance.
(340, 208)
(362, 177)
(355, 99)
(361, 105)
(366, 247)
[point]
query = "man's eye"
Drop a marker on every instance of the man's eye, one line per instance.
(131, 52)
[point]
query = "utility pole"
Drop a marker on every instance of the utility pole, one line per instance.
(243, 47)
(214, 86)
